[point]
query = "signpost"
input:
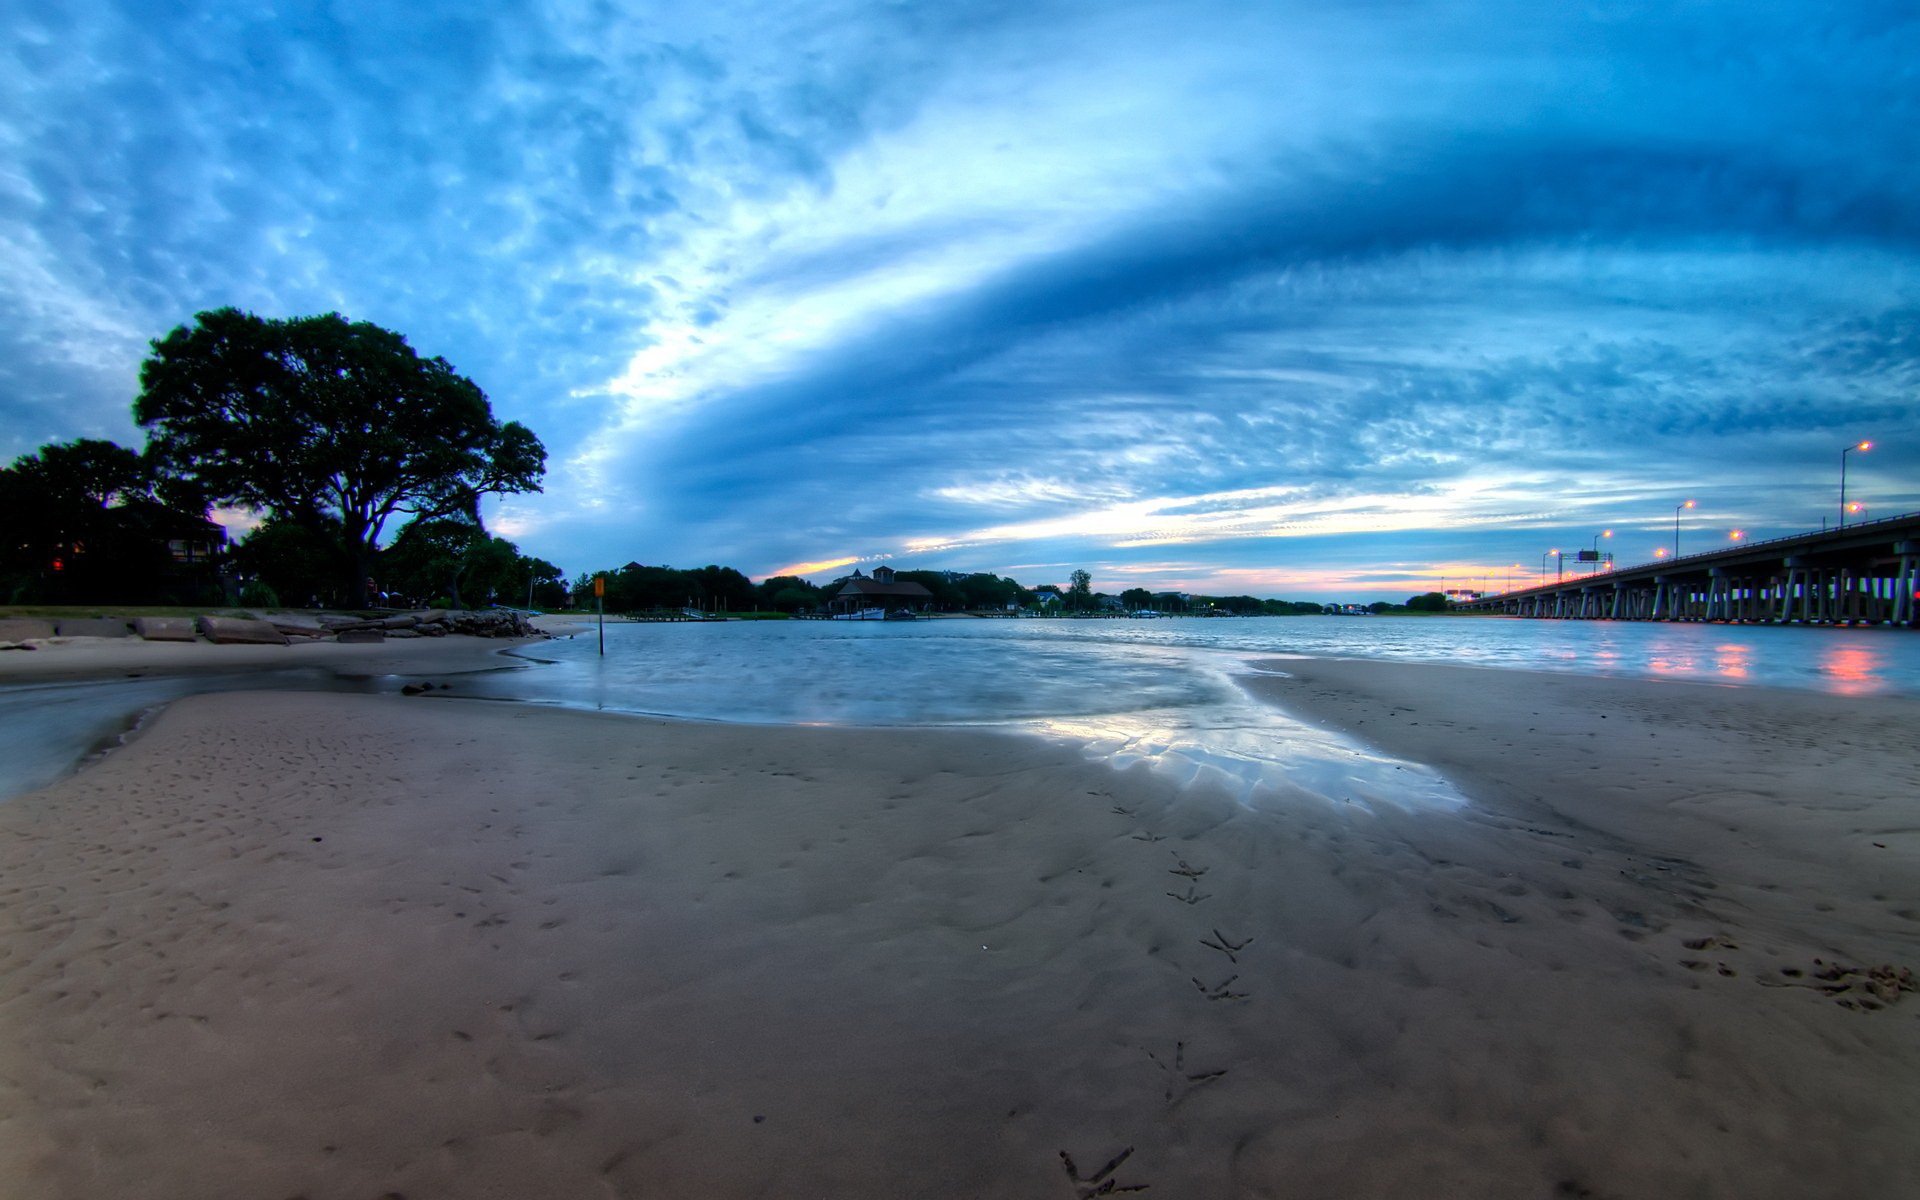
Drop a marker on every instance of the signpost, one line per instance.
(600, 609)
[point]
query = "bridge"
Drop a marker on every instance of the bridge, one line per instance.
(1863, 574)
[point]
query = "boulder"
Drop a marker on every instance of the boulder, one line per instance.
(296, 624)
(399, 621)
(92, 627)
(24, 629)
(356, 637)
(241, 631)
(491, 623)
(164, 629)
(339, 621)
(402, 633)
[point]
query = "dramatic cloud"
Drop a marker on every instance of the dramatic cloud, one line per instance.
(1295, 299)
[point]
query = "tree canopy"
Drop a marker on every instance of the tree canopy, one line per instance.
(328, 423)
(84, 523)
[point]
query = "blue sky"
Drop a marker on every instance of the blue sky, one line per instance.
(1319, 300)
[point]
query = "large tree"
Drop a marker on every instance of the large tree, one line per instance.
(324, 421)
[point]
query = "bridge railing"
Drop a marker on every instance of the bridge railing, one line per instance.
(1701, 555)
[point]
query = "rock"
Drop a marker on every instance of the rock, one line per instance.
(339, 621)
(293, 623)
(427, 616)
(241, 631)
(23, 629)
(164, 629)
(399, 621)
(358, 636)
(491, 623)
(403, 633)
(92, 627)
(436, 629)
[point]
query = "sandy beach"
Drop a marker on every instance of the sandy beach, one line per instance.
(339, 946)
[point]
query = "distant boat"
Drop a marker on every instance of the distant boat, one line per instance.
(862, 614)
(899, 614)
(1142, 614)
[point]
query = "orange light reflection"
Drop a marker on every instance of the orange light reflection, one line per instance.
(1853, 670)
(1733, 660)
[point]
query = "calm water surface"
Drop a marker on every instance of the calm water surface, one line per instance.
(1161, 692)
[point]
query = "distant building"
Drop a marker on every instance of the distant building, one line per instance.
(1046, 595)
(881, 590)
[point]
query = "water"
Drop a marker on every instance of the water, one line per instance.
(1159, 692)
(45, 728)
(965, 671)
(1156, 692)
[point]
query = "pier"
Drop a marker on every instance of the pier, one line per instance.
(1861, 574)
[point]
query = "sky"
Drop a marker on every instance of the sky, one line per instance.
(1329, 300)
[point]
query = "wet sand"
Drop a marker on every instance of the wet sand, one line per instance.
(351, 946)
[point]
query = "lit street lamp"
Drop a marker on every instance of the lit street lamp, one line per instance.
(1736, 535)
(1555, 554)
(1862, 447)
(1605, 533)
(1676, 526)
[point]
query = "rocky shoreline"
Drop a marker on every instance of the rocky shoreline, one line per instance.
(270, 629)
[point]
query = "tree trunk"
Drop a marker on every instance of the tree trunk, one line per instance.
(360, 554)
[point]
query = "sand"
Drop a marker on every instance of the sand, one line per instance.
(360, 946)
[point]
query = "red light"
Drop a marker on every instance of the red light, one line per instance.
(59, 564)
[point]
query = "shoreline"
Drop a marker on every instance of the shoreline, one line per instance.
(341, 945)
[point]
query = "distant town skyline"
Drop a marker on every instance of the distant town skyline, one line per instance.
(1308, 301)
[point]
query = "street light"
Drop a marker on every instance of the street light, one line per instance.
(1555, 554)
(1605, 533)
(1676, 526)
(1857, 508)
(1863, 447)
(1736, 535)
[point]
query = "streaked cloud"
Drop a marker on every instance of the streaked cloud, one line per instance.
(1312, 293)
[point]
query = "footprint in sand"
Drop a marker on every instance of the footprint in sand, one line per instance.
(1101, 1182)
(1182, 1083)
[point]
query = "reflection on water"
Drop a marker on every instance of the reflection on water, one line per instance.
(1733, 660)
(1172, 707)
(1158, 692)
(1854, 669)
(1260, 756)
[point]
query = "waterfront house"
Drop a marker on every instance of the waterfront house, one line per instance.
(880, 590)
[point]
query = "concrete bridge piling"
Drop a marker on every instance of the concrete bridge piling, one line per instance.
(1864, 574)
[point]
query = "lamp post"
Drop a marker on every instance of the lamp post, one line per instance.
(1862, 447)
(1676, 526)
(1736, 535)
(1605, 533)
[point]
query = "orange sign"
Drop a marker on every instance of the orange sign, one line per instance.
(599, 585)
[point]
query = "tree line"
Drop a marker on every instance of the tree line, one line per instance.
(639, 588)
(328, 431)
